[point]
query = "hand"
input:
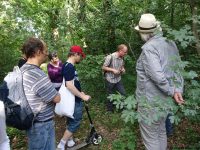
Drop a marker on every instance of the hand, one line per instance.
(116, 71)
(85, 97)
(178, 98)
(122, 70)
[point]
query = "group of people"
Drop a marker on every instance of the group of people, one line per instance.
(41, 91)
(57, 73)
(154, 79)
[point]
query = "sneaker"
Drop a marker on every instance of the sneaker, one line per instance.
(60, 148)
(61, 145)
(70, 143)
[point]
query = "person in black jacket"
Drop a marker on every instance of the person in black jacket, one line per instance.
(22, 61)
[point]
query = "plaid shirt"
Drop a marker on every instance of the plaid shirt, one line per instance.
(113, 61)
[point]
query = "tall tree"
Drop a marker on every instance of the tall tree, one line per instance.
(172, 13)
(194, 4)
(110, 19)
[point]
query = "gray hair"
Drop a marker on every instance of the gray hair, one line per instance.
(146, 36)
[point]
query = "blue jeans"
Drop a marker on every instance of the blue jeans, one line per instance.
(41, 136)
(74, 124)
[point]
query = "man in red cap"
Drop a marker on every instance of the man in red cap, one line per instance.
(72, 83)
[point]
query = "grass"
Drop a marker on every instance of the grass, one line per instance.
(18, 139)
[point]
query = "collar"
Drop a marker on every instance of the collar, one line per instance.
(116, 55)
(153, 38)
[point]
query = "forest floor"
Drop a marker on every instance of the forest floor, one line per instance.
(186, 135)
(110, 125)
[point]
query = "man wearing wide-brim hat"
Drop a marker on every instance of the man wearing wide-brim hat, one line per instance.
(155, 81)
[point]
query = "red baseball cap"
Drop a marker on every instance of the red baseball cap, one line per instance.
(77, 49)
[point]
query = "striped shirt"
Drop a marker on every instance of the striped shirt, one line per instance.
(113, 61)
(39, 92)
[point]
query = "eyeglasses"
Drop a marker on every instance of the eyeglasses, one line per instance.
(125, 52)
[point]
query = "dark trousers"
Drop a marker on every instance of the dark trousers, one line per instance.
(169, 125)
(111, 89)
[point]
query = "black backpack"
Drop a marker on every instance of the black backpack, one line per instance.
(17, 109)
(110, 63)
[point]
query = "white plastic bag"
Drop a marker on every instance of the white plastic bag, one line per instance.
(67, 103)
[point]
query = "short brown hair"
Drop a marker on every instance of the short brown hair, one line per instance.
(31, 46)
(71, 54)
(52, 54)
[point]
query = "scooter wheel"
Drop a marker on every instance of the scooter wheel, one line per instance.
(97, 139)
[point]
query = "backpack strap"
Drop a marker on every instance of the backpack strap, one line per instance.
(40, 106)
(111, 60)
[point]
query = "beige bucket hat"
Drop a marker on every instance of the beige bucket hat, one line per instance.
(147, 24)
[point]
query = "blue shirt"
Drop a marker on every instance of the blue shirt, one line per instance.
(69, 73)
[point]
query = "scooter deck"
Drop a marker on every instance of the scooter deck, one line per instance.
(81, 145)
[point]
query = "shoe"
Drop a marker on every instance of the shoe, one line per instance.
(61, 145)
(70, 143)
(169, 134)
(60, 148)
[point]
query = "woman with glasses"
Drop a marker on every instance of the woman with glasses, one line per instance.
(54, 69)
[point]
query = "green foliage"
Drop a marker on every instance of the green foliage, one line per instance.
(44, 67)
(11, 38)
(126, 140)
(102, 26)
(194, 63)
(90, 74)
(184, 36)
(189, 109)
(17, 138)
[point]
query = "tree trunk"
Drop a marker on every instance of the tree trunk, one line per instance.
(172, 14)
(194, 9)
(82, 14)
(111, 41)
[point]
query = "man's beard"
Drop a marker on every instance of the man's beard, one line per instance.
(145, 37)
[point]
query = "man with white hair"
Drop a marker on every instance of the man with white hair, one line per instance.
(155, 80)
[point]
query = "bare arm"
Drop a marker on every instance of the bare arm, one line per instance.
(122, 69)
(76, 92)
(56, 98)
(178, 98)
(109, 69)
